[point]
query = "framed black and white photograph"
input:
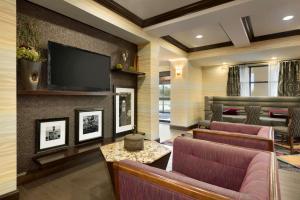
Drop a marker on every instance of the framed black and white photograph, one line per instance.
(124, 110)
(51, 133)
(89, 125)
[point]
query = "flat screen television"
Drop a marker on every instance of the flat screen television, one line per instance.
(71, 68)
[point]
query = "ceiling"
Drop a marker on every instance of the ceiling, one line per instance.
(222, 22)
(149, 8)
(219, 24)
(268, 19)
(212, 34)
(266, 55)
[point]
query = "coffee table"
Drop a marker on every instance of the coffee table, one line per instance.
(154, 154)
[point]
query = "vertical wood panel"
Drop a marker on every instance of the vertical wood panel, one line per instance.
(7, 96)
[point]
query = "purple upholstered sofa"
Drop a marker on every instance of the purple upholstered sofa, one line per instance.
(201, 170)
(244, 135)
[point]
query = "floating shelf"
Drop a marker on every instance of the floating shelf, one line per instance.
(64, 155)
(139, 74)
(63, 93)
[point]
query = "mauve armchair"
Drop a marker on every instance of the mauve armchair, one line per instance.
(201, 170)
(244, 135)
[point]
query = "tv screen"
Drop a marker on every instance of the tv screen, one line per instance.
(71, 68)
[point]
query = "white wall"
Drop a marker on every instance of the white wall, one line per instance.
(186, 92)
(214, 82)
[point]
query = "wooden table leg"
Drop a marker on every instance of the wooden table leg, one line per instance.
(162, 162)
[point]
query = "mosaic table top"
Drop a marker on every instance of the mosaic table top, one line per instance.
(152, 152)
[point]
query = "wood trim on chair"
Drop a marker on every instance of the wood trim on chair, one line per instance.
(235, 135)
(170, 184)
(116, 179)
(274, 186)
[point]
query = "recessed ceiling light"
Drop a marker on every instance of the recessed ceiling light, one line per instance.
(274, 58)
(199, 36)
(289, 17)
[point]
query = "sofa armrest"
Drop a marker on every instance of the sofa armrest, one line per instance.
(266, 132)
(148, 180)
(261, 180)
(237, 139)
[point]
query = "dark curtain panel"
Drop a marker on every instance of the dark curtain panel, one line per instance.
(233, 82)
(289, 78)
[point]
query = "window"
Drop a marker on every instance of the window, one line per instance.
(258, 80)
(164, 98)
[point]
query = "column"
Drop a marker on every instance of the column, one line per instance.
(148, 90)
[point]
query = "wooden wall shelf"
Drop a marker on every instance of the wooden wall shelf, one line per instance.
(63, 93)
(139, 74)
(64, 155)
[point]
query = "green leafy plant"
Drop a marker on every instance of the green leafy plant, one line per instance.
(28, 54)
(119, 66)
(131, 68)
(28, 39)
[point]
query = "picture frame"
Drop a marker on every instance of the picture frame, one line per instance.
(88, 125)
(52, 134)
(124, 110)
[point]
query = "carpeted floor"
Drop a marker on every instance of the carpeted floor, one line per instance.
(87, 181)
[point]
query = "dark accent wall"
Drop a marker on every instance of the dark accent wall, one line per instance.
(61, 29)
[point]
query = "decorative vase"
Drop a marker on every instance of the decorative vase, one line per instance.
(134, 142)
(125, 55)
(29, 74)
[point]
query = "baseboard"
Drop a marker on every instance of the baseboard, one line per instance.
(14, 195)
(157, 140)
(183, 128)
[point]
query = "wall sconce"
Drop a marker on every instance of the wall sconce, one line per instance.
(224, 67)
(178, 71)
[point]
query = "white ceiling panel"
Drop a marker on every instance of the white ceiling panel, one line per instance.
(212, 34)
(280, 54)
(268, 17)
(149, 8)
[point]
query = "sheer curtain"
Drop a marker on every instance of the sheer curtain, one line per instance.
(244, 78)
(273, 76)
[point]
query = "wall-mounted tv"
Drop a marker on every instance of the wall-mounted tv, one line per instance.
(71, 68)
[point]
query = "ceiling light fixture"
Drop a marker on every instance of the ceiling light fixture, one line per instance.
(289, 17)
(199, 36)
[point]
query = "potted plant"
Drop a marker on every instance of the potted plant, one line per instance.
(119, 67)
(29, 67)
(29, 58)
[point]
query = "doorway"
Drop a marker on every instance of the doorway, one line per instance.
(164, 96)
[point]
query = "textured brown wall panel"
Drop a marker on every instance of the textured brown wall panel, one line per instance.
(61, 29)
